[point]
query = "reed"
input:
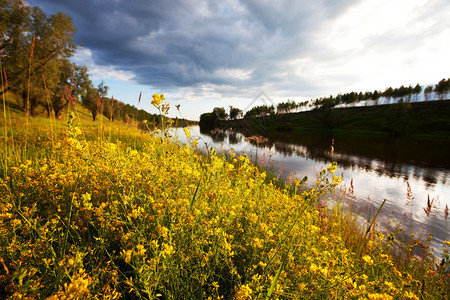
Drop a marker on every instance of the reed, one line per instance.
(27, 106)
(5, 120)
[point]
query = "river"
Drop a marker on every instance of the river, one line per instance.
(407, 173)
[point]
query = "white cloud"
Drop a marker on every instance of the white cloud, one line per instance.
(377, 44)
(233, 73)
(84, 57)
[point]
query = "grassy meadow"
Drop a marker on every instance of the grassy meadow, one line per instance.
(99, 210)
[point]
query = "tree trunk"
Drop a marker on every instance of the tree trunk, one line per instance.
(58, 114)
(32, 110)
(34, 103)
(23, 105)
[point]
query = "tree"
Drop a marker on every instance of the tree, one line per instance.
(388, 94)
(327, 102)
(36, 48)
(102, 89)
(303, 104)
(81, 81)
(91, 100)
(62, 92)
(349, 98)
(286, 107)
(112, 108)
(442, 88)
(262, 110)
(220, 113)
(120, 110)
(376, 96)
(235, 113)
(408, 93)
(15, 37)
(367, 96)
(416, 91)
(207, 121)
(427, 92)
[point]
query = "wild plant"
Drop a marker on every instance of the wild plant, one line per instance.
(5, 125)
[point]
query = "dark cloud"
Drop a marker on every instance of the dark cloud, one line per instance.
(211, 51)
(184, 43)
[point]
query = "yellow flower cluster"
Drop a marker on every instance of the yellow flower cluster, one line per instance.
(142, 217)
(157, 99)
(187, 132)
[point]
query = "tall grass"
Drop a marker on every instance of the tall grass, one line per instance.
(138, 216)
(5, 125)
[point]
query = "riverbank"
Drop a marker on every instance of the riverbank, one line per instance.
(418, 120)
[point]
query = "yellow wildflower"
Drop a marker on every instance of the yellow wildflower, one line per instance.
(157, 99)
(187, 132)
(410, 295)
(78, 287)
(244, 292)
(77, 131)
(368, 259)
(390, 286)
(379, 296)
(396, 272)
(127, 254)
(324, 271)
(140, 250)
(163, 231)
(314, 229)
(86, 199)
(167, 250)
(314, 268)
(215, 285)
(71, 261)
(16, 222)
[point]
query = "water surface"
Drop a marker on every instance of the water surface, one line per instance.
(377, 168)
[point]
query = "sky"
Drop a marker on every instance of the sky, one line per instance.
(206, 53)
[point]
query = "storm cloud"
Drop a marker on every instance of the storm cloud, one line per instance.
(183, 43)
(299, 48)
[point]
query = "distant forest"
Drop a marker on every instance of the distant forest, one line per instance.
(36, 67)
(390, 96)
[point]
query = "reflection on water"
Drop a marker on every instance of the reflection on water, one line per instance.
(425, 160)
(379, 169)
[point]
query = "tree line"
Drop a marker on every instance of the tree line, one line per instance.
(390, 96)
(36, 67)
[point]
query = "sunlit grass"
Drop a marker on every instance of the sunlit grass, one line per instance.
(102, 210)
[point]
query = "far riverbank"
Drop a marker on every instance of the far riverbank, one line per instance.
(419, 119)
